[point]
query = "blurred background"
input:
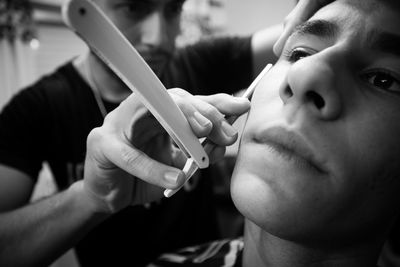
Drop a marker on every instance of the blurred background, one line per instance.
(34, 41)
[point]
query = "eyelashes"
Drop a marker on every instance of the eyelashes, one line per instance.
(382, 79)
(293, 55)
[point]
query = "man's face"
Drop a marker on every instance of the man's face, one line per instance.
(150, 25)
(319, 157)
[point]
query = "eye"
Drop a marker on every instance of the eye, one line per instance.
(136, 9)
(383, 80)
(297, 54)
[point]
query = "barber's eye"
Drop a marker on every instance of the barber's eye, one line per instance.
(297, 54)
(383, 80)
(136, 9)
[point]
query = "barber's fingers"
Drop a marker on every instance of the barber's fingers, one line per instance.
(227, 104)
(129, 111)
(113, 151)
(179, 158)
(217, 153)
(223, 133)
(206, 114)
(303, 11)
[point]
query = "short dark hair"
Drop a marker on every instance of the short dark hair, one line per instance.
(392, 3)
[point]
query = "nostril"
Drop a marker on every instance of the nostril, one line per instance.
(316, 99)
(287, 92)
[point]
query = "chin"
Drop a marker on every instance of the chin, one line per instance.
(278, 204)
(252, 195)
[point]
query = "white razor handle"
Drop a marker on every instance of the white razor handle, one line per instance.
(90, 23)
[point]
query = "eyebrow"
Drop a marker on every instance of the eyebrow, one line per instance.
(384, 42)
(376, 40)
(320, 28)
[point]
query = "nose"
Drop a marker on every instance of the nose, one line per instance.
(311, 84)
(155, 31)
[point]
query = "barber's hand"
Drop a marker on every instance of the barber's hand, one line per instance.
(130, 159)
(302, 12)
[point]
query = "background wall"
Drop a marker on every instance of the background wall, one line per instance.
(57, 44)
(244, 17)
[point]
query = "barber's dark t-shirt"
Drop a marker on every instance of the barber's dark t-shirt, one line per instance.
(50, 120)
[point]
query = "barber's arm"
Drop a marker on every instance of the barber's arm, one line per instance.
(262, 43)
(130, 160)
(36, 234)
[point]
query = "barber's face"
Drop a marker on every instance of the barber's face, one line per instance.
(150, 25)
(319, 157)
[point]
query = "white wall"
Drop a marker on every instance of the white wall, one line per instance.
(57, 45)
(247, 16)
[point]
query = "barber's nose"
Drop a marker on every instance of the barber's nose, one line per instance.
(154, 31)
(311, 84)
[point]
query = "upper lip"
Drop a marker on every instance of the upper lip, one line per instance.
(289, 142)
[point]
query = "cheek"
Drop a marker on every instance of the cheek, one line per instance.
(280, 203)
(266, 102)
(375, 140)
(268, 88)
(378, 157)
(133, 33)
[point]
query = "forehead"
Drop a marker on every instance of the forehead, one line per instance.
(363, 16)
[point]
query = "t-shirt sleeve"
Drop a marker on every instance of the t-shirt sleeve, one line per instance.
(222, 64)
(22, 124)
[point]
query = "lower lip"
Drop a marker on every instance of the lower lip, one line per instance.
(282, 157)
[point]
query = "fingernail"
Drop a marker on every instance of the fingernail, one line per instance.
(228, 129)
(203, 121)
(171, 176)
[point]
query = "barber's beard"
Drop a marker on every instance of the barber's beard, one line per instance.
(158, 62)
(158, 68)
(114, 81)
(157, 58)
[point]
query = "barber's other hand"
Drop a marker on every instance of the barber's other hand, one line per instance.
(302, 12)
(130, 159)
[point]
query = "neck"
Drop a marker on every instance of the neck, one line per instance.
(98, 75)
(264, 249)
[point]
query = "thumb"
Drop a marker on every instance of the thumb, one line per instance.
(138, 164)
